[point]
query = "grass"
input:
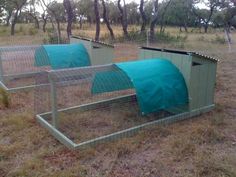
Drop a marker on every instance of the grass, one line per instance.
(201, 147)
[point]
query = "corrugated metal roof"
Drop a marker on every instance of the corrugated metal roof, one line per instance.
(88, 39)
(183, 52)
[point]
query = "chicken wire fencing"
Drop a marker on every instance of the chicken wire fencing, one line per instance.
(17, 66)
(85, 104)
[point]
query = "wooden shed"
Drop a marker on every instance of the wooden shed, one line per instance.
(100, 53)
(199, 72)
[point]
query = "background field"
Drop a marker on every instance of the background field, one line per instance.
(204, 146)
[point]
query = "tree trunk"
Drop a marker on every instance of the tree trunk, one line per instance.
(18, 12)
(206, 28)
(13, 28)
(96, 10)
(44, 25)
(163, 16)
(58, 31)
(8, 18)
(53, 26)
(36, 22)
(80, 22)
(154, 20)
(143, 15)
(123, 17)
(14, 23)
(44, 17)
(69, 11)
(185, 27)
(106, 20)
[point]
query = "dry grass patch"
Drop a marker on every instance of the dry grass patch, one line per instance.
(209, 164)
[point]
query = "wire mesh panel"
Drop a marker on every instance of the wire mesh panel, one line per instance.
(18, 65)
(89, 102)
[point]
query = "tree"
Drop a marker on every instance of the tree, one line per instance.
(106, 20)
(18, 5)
(163, 13)
(123, 17)
(113, 12)
(133, 16)
(143, 15)
(228, 14)
(9, 8)
(85, 11)
(56, 10)
(44, 16)
(70, 16)
(96, 10)
(154, 19)
(178, 14)
(33, 13)
(205, 15)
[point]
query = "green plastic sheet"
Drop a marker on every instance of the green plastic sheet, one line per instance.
(62, 56)
(158, 83)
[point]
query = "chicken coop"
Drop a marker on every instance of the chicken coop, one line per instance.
(85, 106)
(102, 53)
(19, 65)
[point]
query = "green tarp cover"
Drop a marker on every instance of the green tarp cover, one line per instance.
(158, 83)
(62, 56)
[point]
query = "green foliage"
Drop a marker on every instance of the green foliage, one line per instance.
(133, 36)
(53, 39)
(4, 98)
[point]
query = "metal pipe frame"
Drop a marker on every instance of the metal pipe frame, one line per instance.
(61, 137)
(20, 76)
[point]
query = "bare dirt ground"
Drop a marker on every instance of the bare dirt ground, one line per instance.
(201, 147)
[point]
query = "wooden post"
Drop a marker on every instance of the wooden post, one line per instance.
(53, 98)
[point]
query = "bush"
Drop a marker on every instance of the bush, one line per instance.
(33, 31)
(4, 98)
(53, 39)
(133, 36)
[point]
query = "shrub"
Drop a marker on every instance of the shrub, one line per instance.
(53, 39)
(4, 98)
(33, 31)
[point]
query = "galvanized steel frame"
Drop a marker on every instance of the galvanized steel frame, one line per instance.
(42, 119)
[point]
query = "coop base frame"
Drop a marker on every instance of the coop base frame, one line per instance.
(42, 119)
(20, 76)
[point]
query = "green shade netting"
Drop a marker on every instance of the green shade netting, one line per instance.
(158, 83)
(62, 56)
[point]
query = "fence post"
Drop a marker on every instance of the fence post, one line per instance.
(53, 99)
